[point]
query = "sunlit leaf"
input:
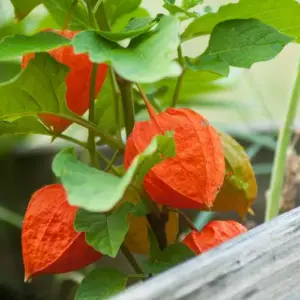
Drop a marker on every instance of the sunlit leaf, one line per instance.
(281, 14)
(240, 43)
(148, 58)
(35, 90)
(18, 45)
(96, 190)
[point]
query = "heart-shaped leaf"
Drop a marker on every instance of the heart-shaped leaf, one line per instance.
(240, 43)
(281, 14)
(168, 258)
(105, 233)
(148, 58)
(98, 191)
(18, 45)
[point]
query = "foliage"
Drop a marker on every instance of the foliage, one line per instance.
(173, 160)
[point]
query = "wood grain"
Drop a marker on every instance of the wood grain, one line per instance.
(263, 263)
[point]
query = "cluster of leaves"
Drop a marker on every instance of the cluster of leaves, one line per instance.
(140, 49)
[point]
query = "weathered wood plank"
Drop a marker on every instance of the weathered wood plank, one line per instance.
(261, 264)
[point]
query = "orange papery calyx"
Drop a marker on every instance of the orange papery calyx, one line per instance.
(50, 244)
(194, 176)
(212, 235)
(78, 80)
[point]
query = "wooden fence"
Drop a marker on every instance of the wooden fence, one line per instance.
(262, 264)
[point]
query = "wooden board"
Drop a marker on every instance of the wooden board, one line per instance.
(262, 264)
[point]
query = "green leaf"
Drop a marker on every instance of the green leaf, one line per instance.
(174, 9)
(105, 109)
(195, 83)
(187, 4)
(241, 43)
(208, 63)
(101, 284)
(148, 58)
(23, 8)
(35, 90)
(95, 190)
(170, 257)
(60, 11)
(25, 125)
(281, 14)
(133, 29)
(8, 70)
(19, 45)
(105, 233)
(123, 20)
(117, 8)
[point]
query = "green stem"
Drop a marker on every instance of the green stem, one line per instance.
(186, 218)
(69, 139)
(70, 14)
(10, 217)
(100, 15)
(109, 139)
(179, 80)
(91, 14)
(97, 5)
(113, 160)
(131, 260)
(91, 138)
(112, 167)
(151, 111)
(277, 177)
(128, 105)
(117, 97)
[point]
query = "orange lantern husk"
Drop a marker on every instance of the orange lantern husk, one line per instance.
(194, 176)
(212, 235)
(77, 81)
(50, 245)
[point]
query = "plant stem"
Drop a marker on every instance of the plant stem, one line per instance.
(97, 5)
(151, 110)
(179, 80)
(131, 259)
(10, 217)
(117, 97)
(157, 220)
(70, 14)
(158, 226)
(277, 177)
(91, 14)
(100, 15)
(109, 139)
(91, 138)
(112, 161)
(185, 217)
(69, 139)
(112, 167)
(128, 105)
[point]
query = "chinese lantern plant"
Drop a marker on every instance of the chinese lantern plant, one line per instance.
(173, 160)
